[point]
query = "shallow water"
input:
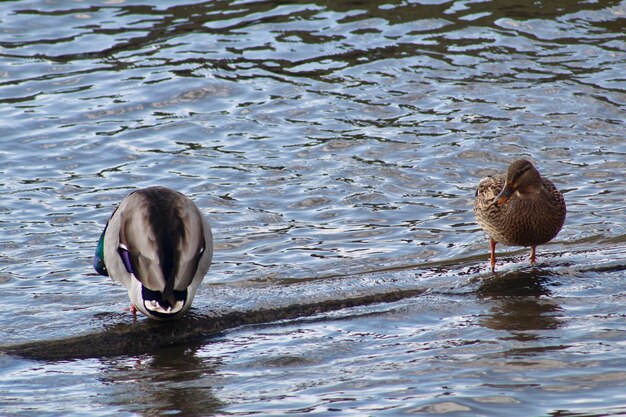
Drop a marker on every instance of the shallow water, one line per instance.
(335, 148)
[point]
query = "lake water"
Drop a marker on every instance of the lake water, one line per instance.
(335, 148)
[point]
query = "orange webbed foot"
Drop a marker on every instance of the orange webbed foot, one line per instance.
(493, 255)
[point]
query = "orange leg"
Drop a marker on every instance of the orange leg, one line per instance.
(493, 255)
(533, 258)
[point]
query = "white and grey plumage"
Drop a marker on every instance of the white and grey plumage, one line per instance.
(520, 208)
(159, 246)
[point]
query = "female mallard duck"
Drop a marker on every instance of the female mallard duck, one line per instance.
(159, 246)
(519, 209)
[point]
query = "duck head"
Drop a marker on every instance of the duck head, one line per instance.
(521, 178)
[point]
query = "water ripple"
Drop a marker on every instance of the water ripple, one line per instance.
(322, 140)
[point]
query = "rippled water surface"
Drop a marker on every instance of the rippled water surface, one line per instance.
(335, 148)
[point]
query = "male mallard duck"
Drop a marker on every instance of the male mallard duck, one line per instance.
(159, 246)
(519, 209)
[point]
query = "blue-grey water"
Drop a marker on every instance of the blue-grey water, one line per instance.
(335, 148)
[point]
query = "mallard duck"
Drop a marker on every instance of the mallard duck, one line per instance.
(159, 246)
(519, 209)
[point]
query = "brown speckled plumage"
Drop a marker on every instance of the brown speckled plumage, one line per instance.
(520, 208)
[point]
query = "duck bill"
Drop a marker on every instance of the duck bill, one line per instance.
(504, 196)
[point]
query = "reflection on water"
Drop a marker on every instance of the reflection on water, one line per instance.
(523, 283)
(521, 305)
(518, 315)
(172, 381)
(335, 148)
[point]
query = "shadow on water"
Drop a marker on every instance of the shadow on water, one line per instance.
(167, 381)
